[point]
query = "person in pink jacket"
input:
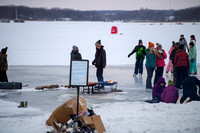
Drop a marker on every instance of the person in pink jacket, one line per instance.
(160, 62)
(170, 93)
(170, 65)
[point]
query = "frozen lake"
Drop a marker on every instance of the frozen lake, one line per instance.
(50, 43)
(39, 54)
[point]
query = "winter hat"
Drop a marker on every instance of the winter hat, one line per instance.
(74, 47)
(4, 50)
(177, 44)
(158, 45)
(181, 47)
(170, 82)
(151, 44)
(140, 41)
(98, 43)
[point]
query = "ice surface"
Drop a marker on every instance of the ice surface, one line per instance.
(44, 49)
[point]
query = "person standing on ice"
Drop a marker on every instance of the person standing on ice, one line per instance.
(170, 65)
(160, 62)
(75, 55)
(150, 64)
(140, 51)
(99, 61)
(172, 57)
(193, 55)
(183, 41)
(182, 65)
(170, 93)
(3, 65)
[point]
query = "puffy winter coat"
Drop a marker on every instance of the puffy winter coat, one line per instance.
(3, 62)
(182, 59)
(160, 58)
(150, 59)
(170, 94)
(75, 55)
(100, 58)
(157, 89)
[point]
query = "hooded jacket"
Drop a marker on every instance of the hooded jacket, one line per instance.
(3, 62)
(157, 89)
(100, 58)
(170, 94)
(75, 55)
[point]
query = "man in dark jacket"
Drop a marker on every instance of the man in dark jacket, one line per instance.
(140, 54)
(190, 88)
(75, 55)
(182, 65)
(99, 61)
(3, 65)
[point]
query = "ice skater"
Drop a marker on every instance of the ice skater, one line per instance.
(75, 55)
(140, 51)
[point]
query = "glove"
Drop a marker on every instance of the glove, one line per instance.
(160, 51)
(192, 60)
(129, 55)
(94, 62)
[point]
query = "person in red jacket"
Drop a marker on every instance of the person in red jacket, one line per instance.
(170, 93)
(160, 62)
(182, 65)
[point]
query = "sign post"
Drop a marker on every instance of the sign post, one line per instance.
(79, 70)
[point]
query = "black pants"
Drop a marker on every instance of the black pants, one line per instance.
(182, 73)
(149, 77)
(159, 73)
(3, 76)
(139, 66)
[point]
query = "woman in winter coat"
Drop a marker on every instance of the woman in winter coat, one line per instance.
(3, 65)
(170, 93)
(158, 88)
(150, 64)
(160, 62)
(170, 65)
(193, 55)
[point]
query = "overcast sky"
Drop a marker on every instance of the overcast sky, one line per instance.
(105, 4)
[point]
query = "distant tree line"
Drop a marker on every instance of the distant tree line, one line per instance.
(57, 14)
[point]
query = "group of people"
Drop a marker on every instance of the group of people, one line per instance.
(182, 60)
(182, 63)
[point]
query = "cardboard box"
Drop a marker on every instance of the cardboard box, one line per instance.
(94, 122)
(62, 113)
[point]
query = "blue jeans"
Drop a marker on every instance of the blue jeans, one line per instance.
(100, 74)
(149, 77)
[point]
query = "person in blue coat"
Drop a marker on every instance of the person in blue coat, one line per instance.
(150, 64)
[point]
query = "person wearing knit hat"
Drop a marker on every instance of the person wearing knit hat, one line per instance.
(150, 64)
(140, 51)
(99, 62)
(75, 55)
(160, 62)
(170, 93)
(3, 65)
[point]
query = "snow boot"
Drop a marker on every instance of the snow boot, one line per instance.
(26, 104)
(21, 104)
